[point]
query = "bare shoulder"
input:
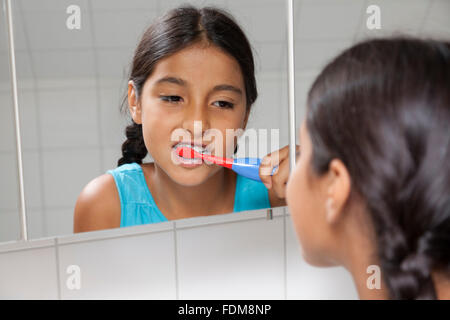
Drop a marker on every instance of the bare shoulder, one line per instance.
(97, 206)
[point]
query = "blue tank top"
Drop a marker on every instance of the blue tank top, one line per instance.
(138, 206)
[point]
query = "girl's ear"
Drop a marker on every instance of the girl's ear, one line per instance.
(338, 184)
(133, 103)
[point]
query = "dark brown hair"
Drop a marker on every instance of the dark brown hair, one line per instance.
(383, 108)
(176, 30)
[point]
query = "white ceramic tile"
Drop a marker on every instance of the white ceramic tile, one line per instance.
(265, 111)
(166, 5)
(32, 177)
(67, 63)
(311, 54)
(35, 223)
(334, 20)
(24, 68)
(307, 282)
(66, 173)
(51, 5)
(270, 110)
(3, 35)
(19, 38)
(268, 56)
(397, 18)
(261, 21)
(242, 260)
(107, 5)
(69, 118)
(133, 267)
(48, 30)
(113, 122)
(58, 221)
(437, 23)
(9, 225)
(28, 274)
(114, 62)
(7, 128)
(4, 67)
(28, 114)
(9, 185)
(110, 157)
(303, 83)
(115, 233)
(121, 28)
(232, 217)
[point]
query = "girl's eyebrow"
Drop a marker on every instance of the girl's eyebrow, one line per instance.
(174, 80)
(183, 83)
(228, 87)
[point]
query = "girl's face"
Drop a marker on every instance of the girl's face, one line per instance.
(306, 198)
(198, 85)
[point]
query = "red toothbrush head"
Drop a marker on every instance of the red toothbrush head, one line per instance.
(187, 152)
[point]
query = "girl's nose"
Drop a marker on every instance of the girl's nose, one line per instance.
(196, 119)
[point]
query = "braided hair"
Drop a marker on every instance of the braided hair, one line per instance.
(172, 32)
(383, 108)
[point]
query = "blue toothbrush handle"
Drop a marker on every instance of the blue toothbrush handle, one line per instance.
(249, 168)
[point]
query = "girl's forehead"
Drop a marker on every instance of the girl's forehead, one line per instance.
(200, 61)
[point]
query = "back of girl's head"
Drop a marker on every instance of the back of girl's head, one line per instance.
(176, 30)
(383, 108)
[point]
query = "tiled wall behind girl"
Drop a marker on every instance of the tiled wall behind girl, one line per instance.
(241, 255)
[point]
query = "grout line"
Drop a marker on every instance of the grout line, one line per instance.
(175, 243)
(58, 279)
(228, 222)
(119, 236)
(26, 249)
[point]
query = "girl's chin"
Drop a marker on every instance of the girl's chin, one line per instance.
(192, 176)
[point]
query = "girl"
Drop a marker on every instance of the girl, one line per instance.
(371, 188)
(192, 67)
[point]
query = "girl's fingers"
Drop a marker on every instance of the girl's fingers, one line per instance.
(280, 178)
(265, 168)
(269, 162)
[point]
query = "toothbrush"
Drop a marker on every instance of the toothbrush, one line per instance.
(247, 167)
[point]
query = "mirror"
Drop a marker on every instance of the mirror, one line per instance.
(324, 28)
(72, 82)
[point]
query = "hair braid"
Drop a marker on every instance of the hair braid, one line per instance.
(133, 149)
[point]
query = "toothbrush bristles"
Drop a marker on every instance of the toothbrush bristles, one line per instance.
(186, 152)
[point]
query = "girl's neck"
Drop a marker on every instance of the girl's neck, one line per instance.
(214, 196)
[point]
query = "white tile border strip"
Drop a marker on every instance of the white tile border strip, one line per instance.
(19, 245)
(142, 229)
(115, 233)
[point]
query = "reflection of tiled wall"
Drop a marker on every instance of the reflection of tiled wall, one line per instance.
(234, 256)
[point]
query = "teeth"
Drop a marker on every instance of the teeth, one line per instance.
(196, 148)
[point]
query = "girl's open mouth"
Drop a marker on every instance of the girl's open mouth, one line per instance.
(188, 162)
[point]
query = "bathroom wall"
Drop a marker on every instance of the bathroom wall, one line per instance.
(243, 255)
(71, 83)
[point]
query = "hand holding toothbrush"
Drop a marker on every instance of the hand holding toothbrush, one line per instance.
(276, 183)
(273, 170)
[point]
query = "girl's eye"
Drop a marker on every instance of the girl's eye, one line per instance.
(224, 104)
(171, 99)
